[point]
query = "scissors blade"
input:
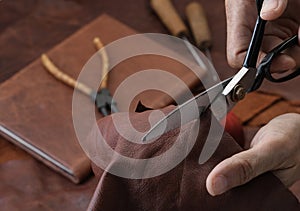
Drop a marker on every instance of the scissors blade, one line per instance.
(188, 111)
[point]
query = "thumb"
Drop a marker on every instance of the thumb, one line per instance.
(238, 170)
(272, 9)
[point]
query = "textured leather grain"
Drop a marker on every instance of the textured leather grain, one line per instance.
(258, 108)
(183, 187)
(30, 185)
(253, 104)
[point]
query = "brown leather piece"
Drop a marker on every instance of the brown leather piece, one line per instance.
(30, 185)
(295, 103)
(277, 109)
(9, 152)
(258, 108)
(150, 98)
(183, 187)
(253, 104)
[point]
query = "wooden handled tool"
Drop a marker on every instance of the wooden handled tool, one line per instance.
(169, 16)
(199, 26)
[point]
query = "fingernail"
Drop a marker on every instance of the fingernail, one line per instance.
(220, 185)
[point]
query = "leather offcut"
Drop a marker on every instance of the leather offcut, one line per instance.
(183, 187)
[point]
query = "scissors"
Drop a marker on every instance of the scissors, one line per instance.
(233, 89)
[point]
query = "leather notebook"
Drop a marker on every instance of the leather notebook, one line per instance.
(36, 108)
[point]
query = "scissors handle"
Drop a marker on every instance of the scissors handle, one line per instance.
(256, 40)
(263, 70)
(268, 60)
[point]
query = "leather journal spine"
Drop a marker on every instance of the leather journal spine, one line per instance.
(75, 175)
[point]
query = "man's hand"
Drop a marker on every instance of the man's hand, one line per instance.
(276, 147)
(283, 17)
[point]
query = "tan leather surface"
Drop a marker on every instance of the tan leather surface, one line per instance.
(277, 109)
(258, 108)
(183, 187)
(9, 152)
(30, 185)
(253, 104)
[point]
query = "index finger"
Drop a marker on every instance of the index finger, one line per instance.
(241, 17)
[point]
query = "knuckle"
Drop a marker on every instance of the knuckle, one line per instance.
(281, 6)
(245, 170)
(233, 61)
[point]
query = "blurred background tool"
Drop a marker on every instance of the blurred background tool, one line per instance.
(199, 26)
(102, 98)
(171, 19)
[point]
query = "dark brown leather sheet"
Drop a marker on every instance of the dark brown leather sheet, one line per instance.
(183, 187)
